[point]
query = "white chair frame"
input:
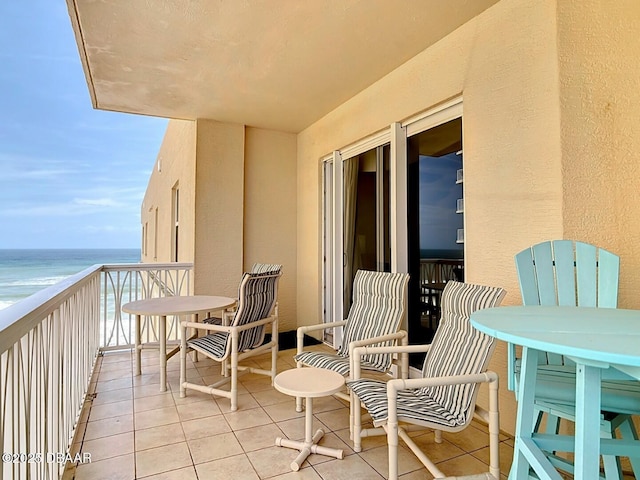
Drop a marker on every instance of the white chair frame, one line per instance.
(394, 430)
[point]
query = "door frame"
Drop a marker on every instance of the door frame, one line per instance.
(332, 203)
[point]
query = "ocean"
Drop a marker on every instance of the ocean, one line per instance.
(25, 272)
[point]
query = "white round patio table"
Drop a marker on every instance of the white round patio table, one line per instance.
(309, 383)
(163, 307)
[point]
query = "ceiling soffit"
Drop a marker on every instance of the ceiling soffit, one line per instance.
(277, 64)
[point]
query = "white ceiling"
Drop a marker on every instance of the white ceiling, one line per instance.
(277, 64)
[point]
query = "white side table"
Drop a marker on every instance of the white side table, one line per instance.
(308, 383)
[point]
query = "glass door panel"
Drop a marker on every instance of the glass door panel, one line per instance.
(366, 216)
(435, 222)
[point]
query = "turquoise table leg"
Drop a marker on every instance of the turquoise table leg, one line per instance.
(526, 453)
(587, 456)
(525, 412)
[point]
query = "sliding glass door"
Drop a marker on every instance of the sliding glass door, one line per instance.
(366, 216)
(435, 223)
(356, 226)
(394, 202)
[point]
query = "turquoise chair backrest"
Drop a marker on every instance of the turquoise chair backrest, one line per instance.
(565, 273)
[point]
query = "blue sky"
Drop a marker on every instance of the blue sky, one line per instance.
(438, 199)
(70, 176)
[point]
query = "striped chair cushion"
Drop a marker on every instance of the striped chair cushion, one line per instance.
(457, 349)
(256, 268)
(379, 304)
(213, 345)
(257, 297)
(377, 309)
(331, 361)
(265, 268)
(412, 405)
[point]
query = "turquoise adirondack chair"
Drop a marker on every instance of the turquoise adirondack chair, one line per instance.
(568, 273)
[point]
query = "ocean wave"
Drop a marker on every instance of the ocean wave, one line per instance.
(5, 304)
(34, 282)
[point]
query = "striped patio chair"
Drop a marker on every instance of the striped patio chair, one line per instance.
(243, 338)
(228, 314)
(377, 311)
(265, 268)
(445, 398)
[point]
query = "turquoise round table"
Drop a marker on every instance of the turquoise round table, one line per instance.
(595, 339)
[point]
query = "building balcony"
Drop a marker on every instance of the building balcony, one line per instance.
(69, 393)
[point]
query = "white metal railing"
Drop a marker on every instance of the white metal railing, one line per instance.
(127, 283)
(49, 343)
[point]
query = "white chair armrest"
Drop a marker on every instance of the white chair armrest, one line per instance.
(358, 352)
(375, 340)
(397, 384)
(221, 328)
(321, 326)
(248, 326)
(310, 328)
(205, 326)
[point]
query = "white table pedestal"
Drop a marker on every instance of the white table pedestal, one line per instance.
(308, 383)
(163, 307)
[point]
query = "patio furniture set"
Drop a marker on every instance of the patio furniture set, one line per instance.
(579, 362)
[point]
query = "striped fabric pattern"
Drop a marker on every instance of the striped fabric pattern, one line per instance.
(257, 298)
(265, 268)
(379, 304)
(332, 361)
(256, 268)
(457, 349)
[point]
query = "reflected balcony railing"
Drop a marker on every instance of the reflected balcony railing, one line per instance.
(49, 343)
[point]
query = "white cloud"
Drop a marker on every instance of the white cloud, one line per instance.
(98, 202)
(110, 228)
(77, 207)
(32, 174)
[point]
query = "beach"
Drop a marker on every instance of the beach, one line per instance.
(25, 272)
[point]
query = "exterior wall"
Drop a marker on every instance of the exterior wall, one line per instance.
(512, 151)
(600, 97)
(237, 205)
(176, 159)
(219, 208)
(550, 150)
(270, 211)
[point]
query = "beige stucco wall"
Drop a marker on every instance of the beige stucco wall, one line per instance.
(512, 152)
(245, 209)
(270, 211)
(237, 205)
(175, 164)
(598, 50)
(219, 207)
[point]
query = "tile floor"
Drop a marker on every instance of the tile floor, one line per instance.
(133, 431)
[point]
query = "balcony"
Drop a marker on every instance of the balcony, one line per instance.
(68, 393)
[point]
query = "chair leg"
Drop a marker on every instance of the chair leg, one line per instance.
(612, 467)
(183, 362)
(553, 424)
(628, 432)
(275, 347)
(392, 442)
(274, 363)
(356, 422)
(494, 429)
(234, 370)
